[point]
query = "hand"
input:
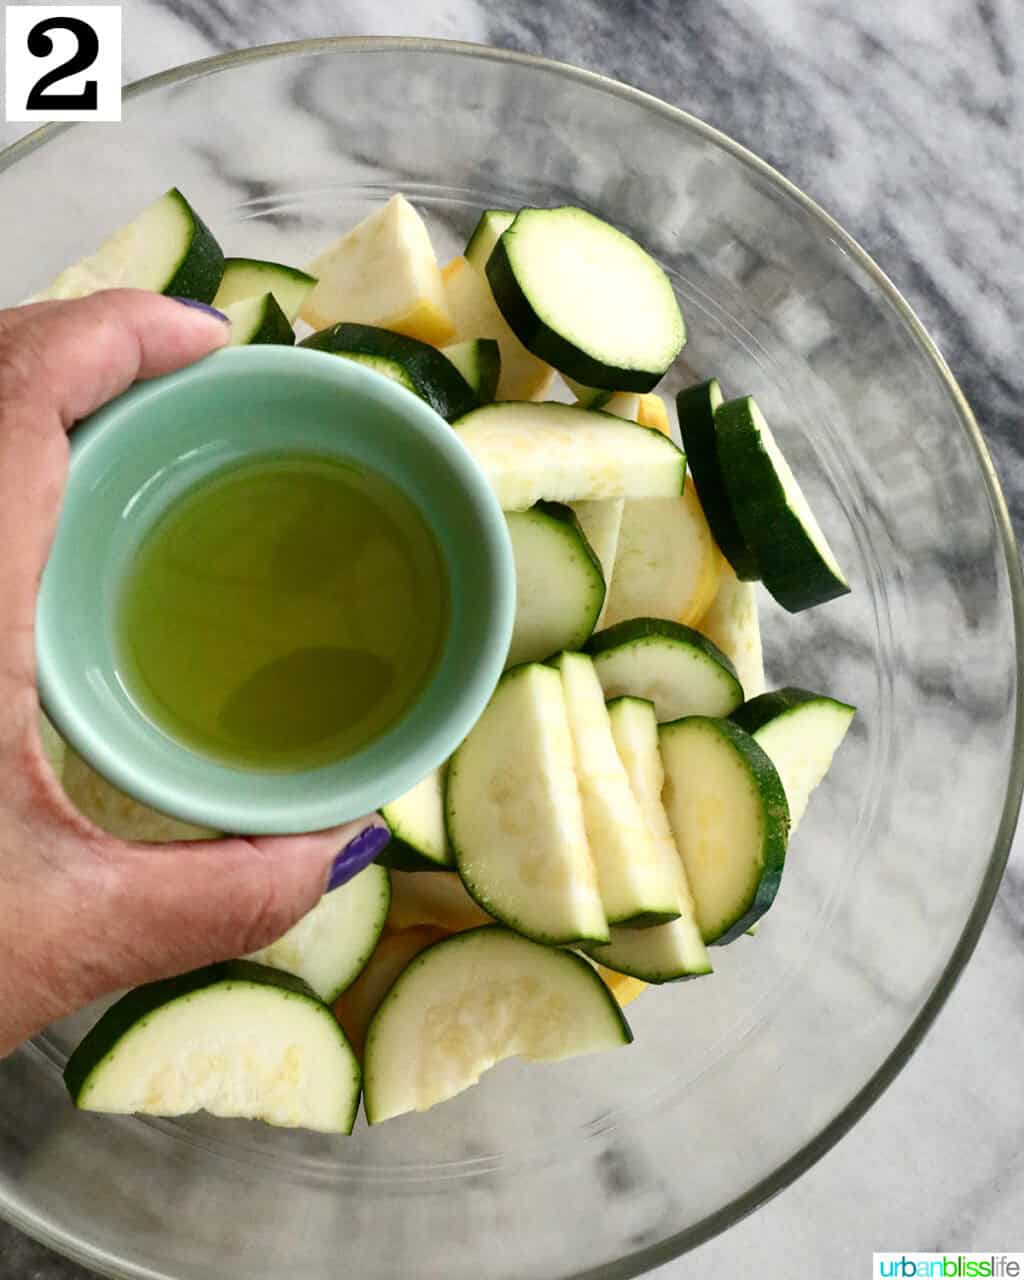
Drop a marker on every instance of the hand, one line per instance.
(81, 913)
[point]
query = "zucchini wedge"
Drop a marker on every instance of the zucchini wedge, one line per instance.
(676, 668)
(639, 886)
(559, 583)
(259, 320)
(479, 362)
(795, 561)
(419, 839)
(491, 225)
(559, 453)
(246, 278)
(473, 1000)
(801, 732)
(424, 370)
(696, 407)
(331, 945)
(234, 1039)
(727, 807)
(515, 819)
(168, 248)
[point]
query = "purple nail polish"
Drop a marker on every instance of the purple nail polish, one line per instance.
(356, 855)
(202, 306)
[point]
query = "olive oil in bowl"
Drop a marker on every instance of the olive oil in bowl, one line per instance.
(283, 613)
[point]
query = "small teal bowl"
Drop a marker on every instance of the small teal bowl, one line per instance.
(145, 449)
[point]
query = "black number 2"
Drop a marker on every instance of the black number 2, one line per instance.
(41, 46)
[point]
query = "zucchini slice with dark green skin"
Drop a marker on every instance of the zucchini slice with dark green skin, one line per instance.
(696, 407)
(801, 732)
(167, 248)
(332, 944)
(559, 583)
(259, 320)
(427, 372)
(560, 453)
(515, 818)
(583, 296)
(666, 663)
(728, 811)
(191, 1043)
(419, 839)
(490, 226)
(479, 362)
(515, 998)
(795, 561)
(246, 278)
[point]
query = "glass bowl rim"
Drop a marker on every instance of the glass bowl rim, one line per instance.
(752, 1198)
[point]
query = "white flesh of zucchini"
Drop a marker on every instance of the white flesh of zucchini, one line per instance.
(533, 452)
(635, 878)
(473, 1000)
(331, 945)
(515, 819)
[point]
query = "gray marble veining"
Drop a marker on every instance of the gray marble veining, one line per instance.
(904, 121)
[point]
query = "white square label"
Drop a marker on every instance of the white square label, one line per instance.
(63, 62)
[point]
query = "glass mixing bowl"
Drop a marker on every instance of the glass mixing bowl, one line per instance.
(605, 1166)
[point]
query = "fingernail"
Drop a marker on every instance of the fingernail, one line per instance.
(357, 855)
(202, 306)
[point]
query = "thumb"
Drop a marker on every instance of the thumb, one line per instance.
(174, 907)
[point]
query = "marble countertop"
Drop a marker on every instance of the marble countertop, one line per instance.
(904, 120)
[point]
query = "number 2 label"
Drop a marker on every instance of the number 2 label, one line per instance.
(63, 62)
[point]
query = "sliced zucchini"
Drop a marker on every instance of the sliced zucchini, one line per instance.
(475, 314)
(583, 296)
(259, 320)
(515, 819)
(801, 732)
(167, 248)
(667, 564)
(383, 272)
(672, 952)
(638, 885)
(728, 812)
(696, 407)
(492, 223)
(673, 666)
(356, 1007)
(246, 278)
(331, 945)
(732, 624)
(559, 583)
(676, 949)
(419, 839)
(560, 453)
(437, 898)
(235, 1039)
(430, 374)
(473, 1000)
(120, 815)
(795, 561)
(479, 362)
